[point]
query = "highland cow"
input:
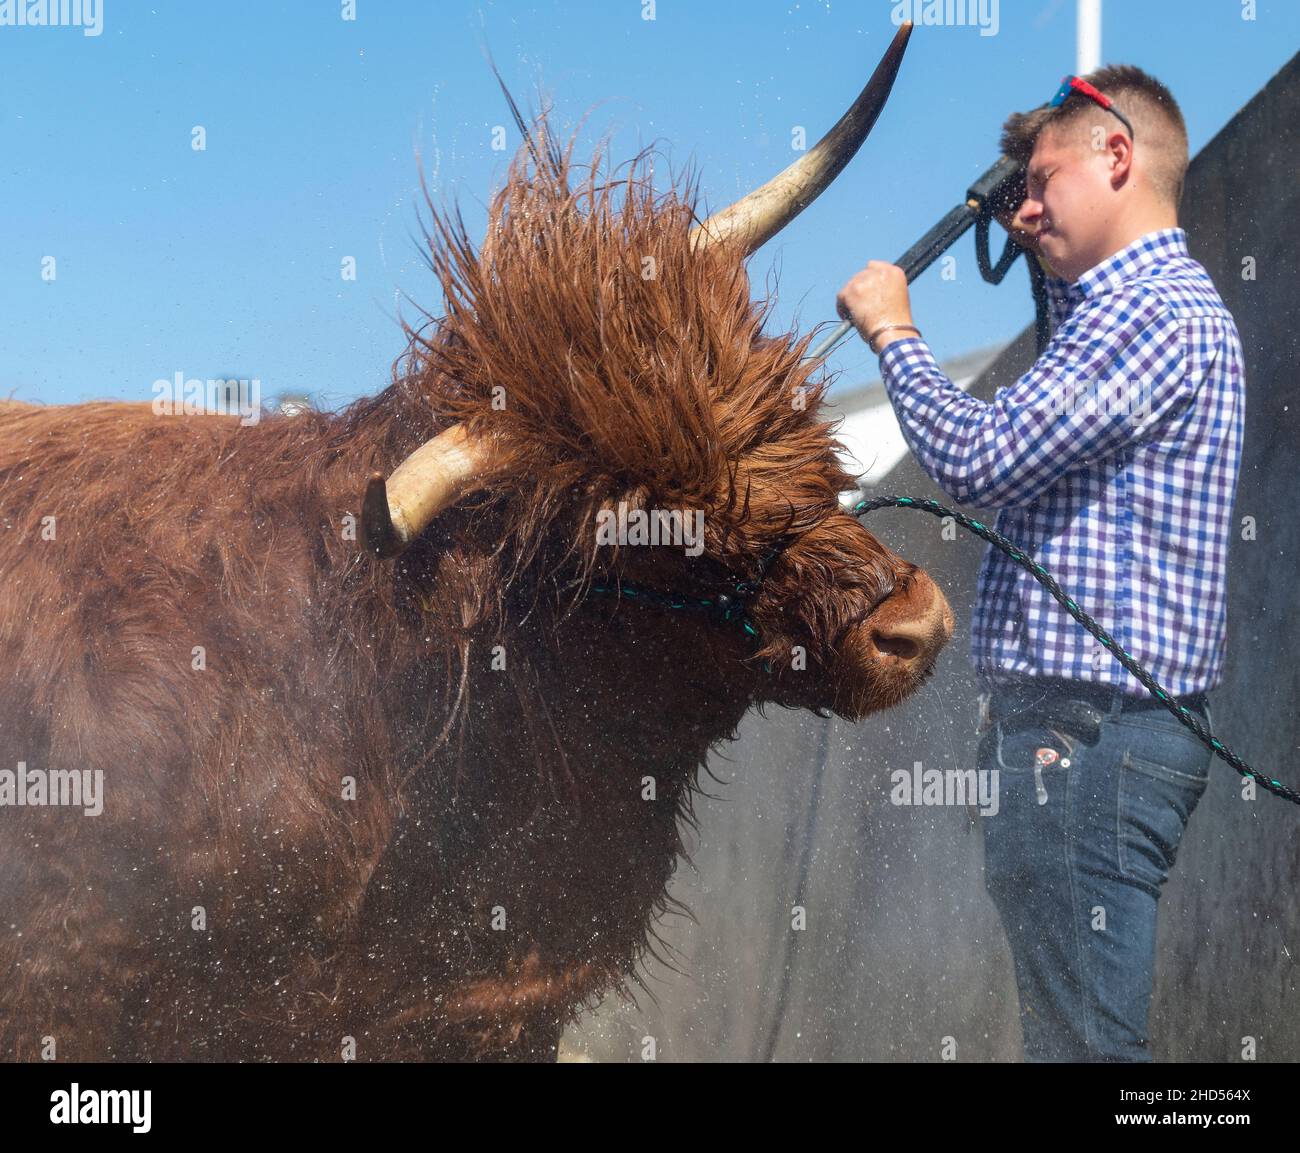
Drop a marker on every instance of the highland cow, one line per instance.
(394, 749)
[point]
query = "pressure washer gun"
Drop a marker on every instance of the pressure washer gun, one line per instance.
(1000, 189)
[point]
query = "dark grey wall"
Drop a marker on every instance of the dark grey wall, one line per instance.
(902, 947)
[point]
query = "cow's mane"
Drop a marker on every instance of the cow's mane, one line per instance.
(612, 362)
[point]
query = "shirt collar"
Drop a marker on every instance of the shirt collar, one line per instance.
(1145, 252)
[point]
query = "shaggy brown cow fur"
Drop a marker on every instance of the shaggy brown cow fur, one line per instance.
(430, 804)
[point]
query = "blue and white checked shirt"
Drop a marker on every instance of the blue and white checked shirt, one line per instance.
(1114, 463)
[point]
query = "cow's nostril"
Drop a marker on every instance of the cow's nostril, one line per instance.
(902, 640)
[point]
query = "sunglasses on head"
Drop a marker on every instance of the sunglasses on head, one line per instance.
(1072, 84)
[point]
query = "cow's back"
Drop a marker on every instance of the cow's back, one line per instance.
(162, 631)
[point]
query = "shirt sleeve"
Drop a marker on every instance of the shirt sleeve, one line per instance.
(1113, 374)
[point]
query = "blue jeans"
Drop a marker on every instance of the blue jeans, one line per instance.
(1086, 832)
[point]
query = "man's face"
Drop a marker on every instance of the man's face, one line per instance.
(1068, 200)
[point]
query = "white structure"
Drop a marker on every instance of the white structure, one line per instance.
(1088, 37)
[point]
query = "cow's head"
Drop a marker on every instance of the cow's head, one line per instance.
(601, 359)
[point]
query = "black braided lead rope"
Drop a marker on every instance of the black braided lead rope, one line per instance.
(728, 608)
(1040, 574)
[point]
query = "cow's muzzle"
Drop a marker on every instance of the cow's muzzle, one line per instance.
(888, 655)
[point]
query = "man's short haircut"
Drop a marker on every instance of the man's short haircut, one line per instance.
(1158, 126)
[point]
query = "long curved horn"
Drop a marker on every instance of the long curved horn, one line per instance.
(434, 476)
(757, 217)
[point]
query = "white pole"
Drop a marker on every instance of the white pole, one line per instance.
(1088, 28)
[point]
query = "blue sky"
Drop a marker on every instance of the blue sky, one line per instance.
(227, 261)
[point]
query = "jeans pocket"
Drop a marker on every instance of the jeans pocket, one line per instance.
(1161, 746)
(1032, 757)
(1158, 790)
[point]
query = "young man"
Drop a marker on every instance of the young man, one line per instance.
(1114, 463)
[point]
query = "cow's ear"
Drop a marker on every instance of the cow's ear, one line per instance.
(396, 510)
